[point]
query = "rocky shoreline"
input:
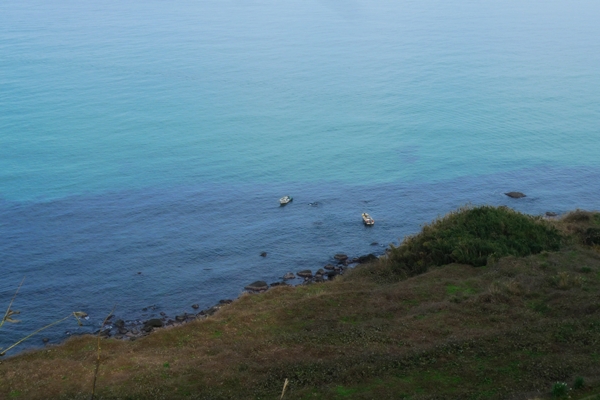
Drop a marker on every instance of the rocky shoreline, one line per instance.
(137, 328)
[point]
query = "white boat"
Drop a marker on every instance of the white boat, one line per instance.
(285, 199)
(367, 220)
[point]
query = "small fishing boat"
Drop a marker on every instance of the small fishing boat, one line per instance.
(367, 220)
(285, 199)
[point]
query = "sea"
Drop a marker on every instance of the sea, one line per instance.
(144, 145)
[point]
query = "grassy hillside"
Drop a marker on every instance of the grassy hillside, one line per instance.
(422, 323)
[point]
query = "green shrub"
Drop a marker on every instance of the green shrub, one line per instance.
(474, 236)
(560, 389)
(579, 383)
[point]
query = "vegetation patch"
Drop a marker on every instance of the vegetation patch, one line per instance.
(474, 236)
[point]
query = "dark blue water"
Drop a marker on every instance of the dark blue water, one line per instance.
(144, 145)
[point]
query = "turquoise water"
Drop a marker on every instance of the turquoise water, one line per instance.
(156, 137)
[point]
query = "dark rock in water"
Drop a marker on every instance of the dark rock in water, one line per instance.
(276, 284)
(258, 285)
(122, 331)
(45, 340)
(152, 323)
(307, 273)
(551, 214)
(289, 275)
(367, 258)
(341, 257)
(135, 332)
(195, 306)
(225, 301)
(329, 267)
(374, 244)
(515, 195)
(181, 317)
(163, 314)
(119, 323)
(211, 311)
(263, 254)
(105, 333)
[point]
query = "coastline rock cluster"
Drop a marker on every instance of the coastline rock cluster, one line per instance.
(327, 273)
(134, 329)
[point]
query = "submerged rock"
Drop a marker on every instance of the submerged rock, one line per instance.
(515, 195)
(263, 254)
(289, 275)
(307, 273)
(341, 257)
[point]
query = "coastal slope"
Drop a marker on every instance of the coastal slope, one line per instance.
(484, 303)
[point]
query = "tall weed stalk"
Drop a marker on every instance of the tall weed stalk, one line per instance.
(10, 313)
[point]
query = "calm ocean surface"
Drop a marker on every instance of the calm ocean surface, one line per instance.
(157, 137)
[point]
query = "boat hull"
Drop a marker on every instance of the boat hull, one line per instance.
(285, 200)
(367, 220)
